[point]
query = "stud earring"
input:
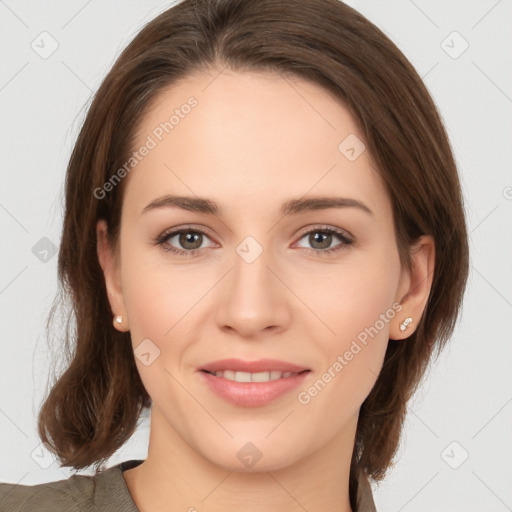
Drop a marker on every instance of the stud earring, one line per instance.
(118, 319)
(405, 324)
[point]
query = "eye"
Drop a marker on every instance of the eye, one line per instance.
(189, 241)
(320, 238)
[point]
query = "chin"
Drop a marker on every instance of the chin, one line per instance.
(255, 456)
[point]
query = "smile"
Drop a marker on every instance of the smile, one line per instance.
(253, 377)
(252, 389)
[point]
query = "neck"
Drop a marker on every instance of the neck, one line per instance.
(175, 477)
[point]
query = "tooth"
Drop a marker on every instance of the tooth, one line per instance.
(243, 377)
(260, 377)
(254, 377)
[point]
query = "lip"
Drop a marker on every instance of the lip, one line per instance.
(260, 365)
(252, 394)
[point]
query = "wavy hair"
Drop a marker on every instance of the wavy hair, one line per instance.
(93, 407)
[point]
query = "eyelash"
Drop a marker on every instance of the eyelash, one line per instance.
(164, 237)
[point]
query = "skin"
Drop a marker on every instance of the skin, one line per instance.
(253, 142)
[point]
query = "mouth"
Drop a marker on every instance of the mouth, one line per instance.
(252, 389)
(264, 376)
(262, 368)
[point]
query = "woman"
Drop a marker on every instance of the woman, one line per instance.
(264, 241)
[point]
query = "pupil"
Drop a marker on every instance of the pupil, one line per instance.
(186, 238)
(326, 238)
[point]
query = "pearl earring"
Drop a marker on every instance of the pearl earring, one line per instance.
(118, 319)
(405, 324)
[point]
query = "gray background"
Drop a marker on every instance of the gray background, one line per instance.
(464, 407)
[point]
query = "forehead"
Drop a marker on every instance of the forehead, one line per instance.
(251, 138)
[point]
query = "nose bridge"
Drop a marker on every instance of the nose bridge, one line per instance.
(250, 276)
(253, 300)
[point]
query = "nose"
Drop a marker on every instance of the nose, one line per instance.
(253, 298)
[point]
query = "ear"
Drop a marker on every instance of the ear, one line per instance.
(414, 288)
(111, 271)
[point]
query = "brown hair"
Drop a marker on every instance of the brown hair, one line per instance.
(94, 406)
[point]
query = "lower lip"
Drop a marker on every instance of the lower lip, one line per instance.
(252, 394)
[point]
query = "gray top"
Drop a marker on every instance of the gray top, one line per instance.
(104, 492)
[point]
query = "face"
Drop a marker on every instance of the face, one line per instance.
(312, 287)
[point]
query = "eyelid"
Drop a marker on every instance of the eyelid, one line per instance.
(186, 227)
(326, 227)
(343, 235)
(162, 239)
(303, 231)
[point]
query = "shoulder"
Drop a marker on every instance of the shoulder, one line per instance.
(71, 495)
(365, 496)
(79, 493)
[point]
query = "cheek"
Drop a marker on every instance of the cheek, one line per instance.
(368, 298)
(351, 364)
(157, 295)
(160, 305)
(360, 311)
(356, 294)
(160, 301)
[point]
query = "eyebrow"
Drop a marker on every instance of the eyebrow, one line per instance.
(291, 207)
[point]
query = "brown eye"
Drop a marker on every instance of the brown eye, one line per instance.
(183, 242)
(190, 240)
(320, 239)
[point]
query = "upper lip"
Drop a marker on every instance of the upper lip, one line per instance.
(261, 365)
